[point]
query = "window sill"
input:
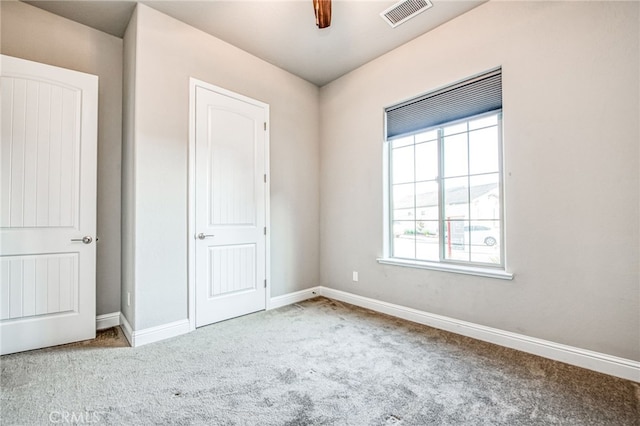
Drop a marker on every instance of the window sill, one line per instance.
(445, 267)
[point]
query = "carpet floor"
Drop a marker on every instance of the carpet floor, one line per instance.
(319, 362)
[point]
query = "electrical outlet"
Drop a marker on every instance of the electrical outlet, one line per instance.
(355, 276)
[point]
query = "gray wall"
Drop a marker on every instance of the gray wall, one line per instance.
(167, 53)
(571, 108)
(128, 296)
(31, 33)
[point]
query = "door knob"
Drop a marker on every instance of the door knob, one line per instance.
(202, 236)
(86, 239)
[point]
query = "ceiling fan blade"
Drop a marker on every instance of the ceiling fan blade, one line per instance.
(322, 9)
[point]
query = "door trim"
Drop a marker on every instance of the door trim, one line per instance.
(191, 214)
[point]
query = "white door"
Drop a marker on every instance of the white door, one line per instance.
(230, 205)
(47, 206)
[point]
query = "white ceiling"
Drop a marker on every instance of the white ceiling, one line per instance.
(282, 32)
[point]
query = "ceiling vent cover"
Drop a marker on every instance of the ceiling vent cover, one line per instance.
(403, 11)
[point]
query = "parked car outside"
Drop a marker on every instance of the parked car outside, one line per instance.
(480, 234)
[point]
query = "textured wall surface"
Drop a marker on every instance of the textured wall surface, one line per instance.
(571, 108)
(168, 53)
(31, 33)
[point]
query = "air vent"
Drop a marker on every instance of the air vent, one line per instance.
(403, 11)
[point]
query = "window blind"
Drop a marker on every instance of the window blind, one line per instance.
(470, 97)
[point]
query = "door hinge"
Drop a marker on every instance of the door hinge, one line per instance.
(265, 125)
(265, 283)
(265, 178)
(265, 230)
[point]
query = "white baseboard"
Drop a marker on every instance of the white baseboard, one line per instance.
(126, 328)
(153, 334)
(161, 332)
(107, 320)
(596, 361)
(295, 297)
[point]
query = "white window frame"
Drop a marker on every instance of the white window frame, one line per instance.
(447, 265)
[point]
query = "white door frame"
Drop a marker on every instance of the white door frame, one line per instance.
(191, 226)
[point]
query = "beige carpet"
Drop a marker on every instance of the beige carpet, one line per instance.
(108, 338)
(319, 362)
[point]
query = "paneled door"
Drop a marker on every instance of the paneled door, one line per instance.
(230, 205)
(47, 206)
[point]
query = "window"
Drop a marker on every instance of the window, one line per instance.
(443, 164)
